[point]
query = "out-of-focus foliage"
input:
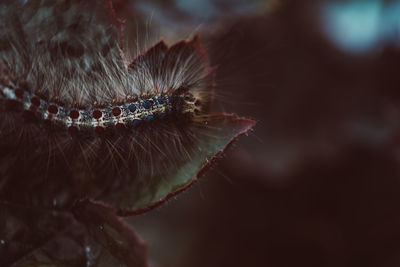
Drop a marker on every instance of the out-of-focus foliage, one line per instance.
(360, 26)
(192, 13)
(318, 182)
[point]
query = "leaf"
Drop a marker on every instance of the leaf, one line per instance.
(111, 233)
(219, 133)
(93, 237)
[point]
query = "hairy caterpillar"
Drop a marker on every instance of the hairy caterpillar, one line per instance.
(144, 101)
(77, 120)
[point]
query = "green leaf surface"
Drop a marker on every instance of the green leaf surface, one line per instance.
(213, 139)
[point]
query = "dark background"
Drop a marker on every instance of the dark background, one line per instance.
(317, 182)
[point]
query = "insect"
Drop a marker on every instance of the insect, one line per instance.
(77, 119)
(139, 103)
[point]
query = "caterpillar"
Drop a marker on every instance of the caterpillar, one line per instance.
(77, 120)
(139, 105)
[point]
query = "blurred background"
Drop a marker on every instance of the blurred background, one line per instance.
(317, 183)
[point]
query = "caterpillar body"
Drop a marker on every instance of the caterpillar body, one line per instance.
(156, 103)
(78, 120)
